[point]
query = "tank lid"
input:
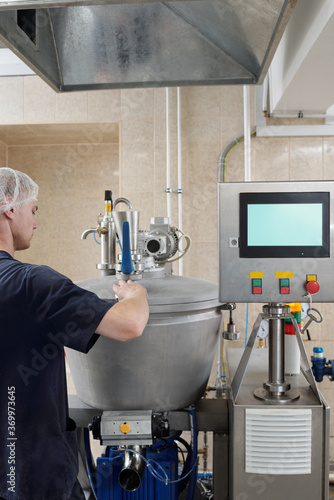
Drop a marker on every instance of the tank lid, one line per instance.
(170, 293)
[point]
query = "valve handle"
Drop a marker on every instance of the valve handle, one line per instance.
(127, 265)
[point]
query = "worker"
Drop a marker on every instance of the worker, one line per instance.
(41, 311)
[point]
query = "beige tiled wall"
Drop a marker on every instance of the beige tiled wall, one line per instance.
(73, 177)
(3, 154)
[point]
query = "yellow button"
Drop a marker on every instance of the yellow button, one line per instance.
(125, 428)
(311, 277)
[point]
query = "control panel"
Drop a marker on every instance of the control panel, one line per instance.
(276, 241)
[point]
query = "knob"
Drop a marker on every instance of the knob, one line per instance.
(125, 428)
(312, 286)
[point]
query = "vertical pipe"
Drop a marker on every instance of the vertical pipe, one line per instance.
(168, 190)
(247, 149)
(220, 347)
(265, 87)
(179, 169)
(276, 351)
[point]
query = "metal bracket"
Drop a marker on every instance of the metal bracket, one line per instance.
(170, 190)
(304, 363)
(305, 366)
(229, 306)
(241, 370)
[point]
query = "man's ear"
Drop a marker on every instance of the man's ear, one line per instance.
(9, 214)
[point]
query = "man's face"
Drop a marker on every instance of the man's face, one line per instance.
(24, 225)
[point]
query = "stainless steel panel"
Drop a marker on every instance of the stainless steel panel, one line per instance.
(220, 465)
(108, 44)
(247, 486)
(257, 373)
(144, 43)
(234, 272)
(275, 487)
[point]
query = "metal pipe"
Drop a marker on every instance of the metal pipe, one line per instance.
(247, 135)
(265, 87)
(299, 114)
(220, 347)
(168, 188)
(122, 200)
(179, 169)
(276, 351)
(134, 467)
(87, 232)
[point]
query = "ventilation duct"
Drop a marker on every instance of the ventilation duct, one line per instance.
(87, 45)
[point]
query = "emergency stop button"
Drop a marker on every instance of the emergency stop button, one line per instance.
(312, 285)
(125, 428)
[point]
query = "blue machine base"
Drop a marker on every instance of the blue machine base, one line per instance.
(109, 467)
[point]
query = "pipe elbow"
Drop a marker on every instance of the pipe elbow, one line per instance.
(123, 200)
(87, 232)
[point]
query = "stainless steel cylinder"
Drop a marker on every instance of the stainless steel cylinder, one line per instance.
(276, 351)
(276, 383)
(108, 248)
(132, 216)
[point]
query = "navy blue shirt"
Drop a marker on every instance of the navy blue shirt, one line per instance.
(41, 311)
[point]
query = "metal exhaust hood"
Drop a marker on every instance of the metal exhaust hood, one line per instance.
(89, 45)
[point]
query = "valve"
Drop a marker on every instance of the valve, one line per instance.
(320, 367)
(231, 333)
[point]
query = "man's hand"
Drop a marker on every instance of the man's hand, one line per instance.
(126, 289)
(127, 319)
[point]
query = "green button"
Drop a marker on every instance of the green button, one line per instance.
(257, 282)
(285, 282)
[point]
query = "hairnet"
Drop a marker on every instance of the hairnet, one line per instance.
(16, 189)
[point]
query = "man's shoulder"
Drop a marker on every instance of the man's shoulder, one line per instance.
(36, 273)
(45, 273)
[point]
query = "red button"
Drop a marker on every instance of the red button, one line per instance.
(257, 290)
(312, 286)
(285, 290)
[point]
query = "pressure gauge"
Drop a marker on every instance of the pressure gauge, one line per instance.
(264, 329)
(305, 308)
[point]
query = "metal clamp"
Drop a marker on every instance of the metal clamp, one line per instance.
(228, 306)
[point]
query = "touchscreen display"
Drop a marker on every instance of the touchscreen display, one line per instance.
(284, 224)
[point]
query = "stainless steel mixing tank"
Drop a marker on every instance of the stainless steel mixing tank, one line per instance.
(168, 367)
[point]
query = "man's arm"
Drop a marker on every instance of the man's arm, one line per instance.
(127, 318)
